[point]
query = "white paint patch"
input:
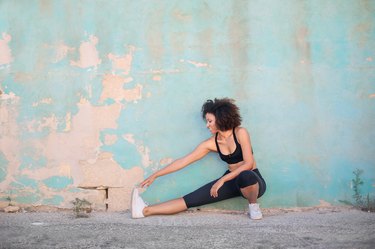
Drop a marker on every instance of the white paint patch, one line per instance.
(166, 71)
(166, 161)
(145, 154)
(129, 138)
(196, 63)
(46, 101)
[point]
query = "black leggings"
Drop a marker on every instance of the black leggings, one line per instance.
(229, 190)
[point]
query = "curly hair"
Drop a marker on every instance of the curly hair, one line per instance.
(227, 114)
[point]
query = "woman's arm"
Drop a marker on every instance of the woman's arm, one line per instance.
(200, 151)
(247, 163)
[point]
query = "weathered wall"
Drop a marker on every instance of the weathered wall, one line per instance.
(96, 95)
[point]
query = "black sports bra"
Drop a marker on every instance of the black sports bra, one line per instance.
(234, 157)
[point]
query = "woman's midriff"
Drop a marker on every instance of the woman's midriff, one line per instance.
(235, 166)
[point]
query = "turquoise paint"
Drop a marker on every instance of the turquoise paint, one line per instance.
(15, 186)
(74, 190)
(32, 160)
(56, 200)
(25, 181)
(27, 198)
(3, 167)
(58, 182)
(301, 71)
(126, 160)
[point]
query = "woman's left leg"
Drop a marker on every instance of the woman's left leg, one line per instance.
(169, 207)
(198, 197)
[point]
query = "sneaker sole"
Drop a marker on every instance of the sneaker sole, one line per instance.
(257, 218)
(132, 201)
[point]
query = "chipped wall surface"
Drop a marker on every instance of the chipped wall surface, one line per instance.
(97, 95)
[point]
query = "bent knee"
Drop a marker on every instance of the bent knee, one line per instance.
(246, 178)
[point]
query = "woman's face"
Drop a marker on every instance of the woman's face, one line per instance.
(211, 123)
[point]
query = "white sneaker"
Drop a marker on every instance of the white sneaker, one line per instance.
(254, 211)
(137, 205)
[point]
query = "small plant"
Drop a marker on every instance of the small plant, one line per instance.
(357, 182)
(10, 200)
(81, 208)
(365, 204)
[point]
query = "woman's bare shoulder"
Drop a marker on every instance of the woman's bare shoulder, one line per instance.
(210, 143)
(241, 131)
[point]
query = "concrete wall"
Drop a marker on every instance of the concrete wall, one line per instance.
(97, 95)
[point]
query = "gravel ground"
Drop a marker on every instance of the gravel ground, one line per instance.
(310, 228)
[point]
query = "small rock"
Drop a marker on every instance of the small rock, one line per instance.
(11, 209)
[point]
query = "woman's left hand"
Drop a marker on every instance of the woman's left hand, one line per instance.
(215, 188)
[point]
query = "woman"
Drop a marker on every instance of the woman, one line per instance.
(232, 142)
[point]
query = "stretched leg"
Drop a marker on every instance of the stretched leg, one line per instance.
(169, 207)
(198, 197)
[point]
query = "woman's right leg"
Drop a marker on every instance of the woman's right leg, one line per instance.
(169, 207)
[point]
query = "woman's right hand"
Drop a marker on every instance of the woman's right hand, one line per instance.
(148, 181)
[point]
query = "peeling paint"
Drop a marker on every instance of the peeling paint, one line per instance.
(55, 200)
(104, 171)
(122, 63)
(47, 122)
(68, 123)
(46, 101)
(195, 63)
(166, 161)
(89, 56)
(110, 139)
(5, 51)
(62, 51)
(143, 150)
(3, 167)
(156, 78)
(129, 138)
(58, 182)
(113, 88)
(99, 104)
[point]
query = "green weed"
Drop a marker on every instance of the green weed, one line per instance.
(81, 208)
(366, 203)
